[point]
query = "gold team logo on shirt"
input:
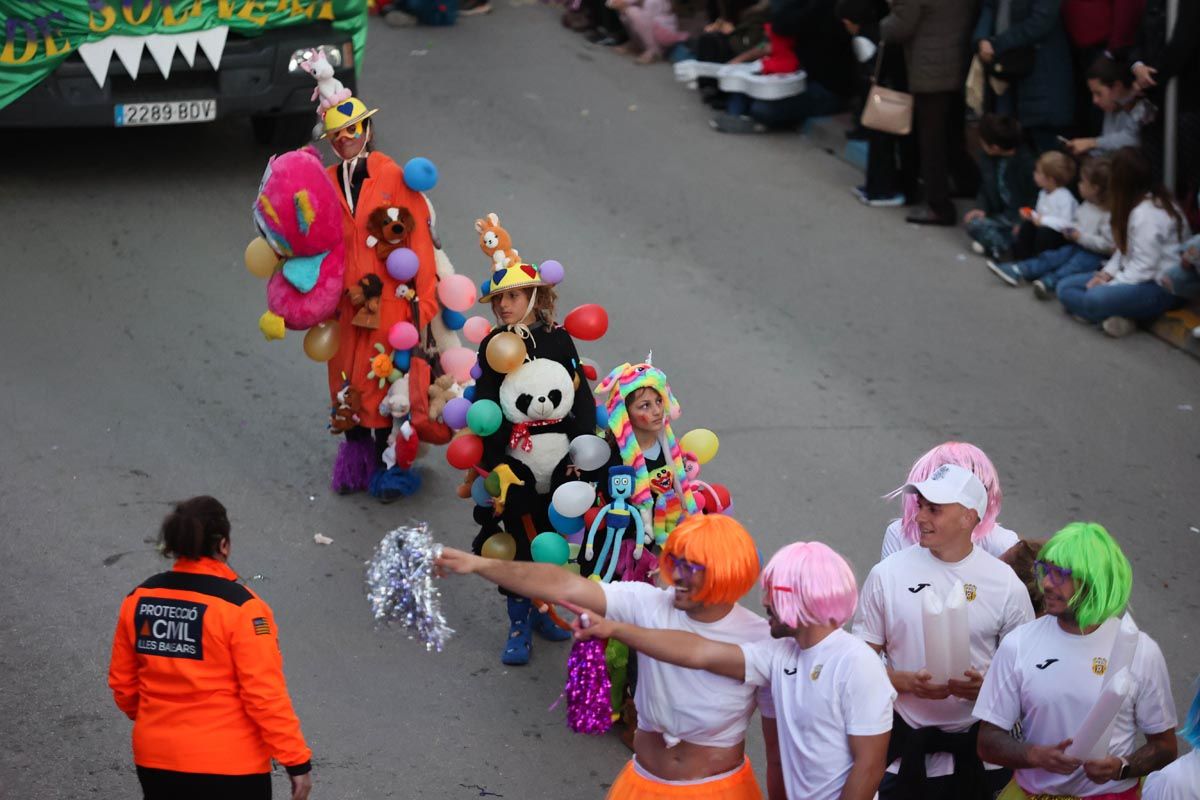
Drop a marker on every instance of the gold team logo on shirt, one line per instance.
(1099, 665)
(816, 673)
(970, 590)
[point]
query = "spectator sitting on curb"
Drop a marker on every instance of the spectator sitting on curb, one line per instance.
(1113, 92)
(1006, 185)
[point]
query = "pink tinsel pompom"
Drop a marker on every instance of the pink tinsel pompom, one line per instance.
(588, 689)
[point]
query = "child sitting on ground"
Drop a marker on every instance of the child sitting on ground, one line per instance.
(1055, 208)
(1089, 236)
(1111, 85)
(1006, 185)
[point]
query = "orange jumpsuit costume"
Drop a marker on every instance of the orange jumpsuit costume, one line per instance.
(196, 666)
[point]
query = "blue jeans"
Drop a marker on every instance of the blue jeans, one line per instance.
(1051, 266)
(1138, 301)
(814, 101)
(995, 233)
(1185, 283)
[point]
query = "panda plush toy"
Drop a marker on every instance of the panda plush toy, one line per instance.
(536, 398)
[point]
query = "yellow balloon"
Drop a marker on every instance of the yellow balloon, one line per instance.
(499, 545)
(505, 352)
(261, 260)
(322, 340)
(702, 442)
(271, 326)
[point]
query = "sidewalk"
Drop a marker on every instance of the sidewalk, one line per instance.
(829, 134)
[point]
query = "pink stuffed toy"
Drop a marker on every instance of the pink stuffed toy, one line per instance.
(299, 213)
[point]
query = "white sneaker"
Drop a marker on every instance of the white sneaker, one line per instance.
(1118, 327)
(977, 248)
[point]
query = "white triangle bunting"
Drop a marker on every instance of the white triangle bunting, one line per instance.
(162, 50)
(96, 56)
(129, 52)
(186, 42)
(212, 42)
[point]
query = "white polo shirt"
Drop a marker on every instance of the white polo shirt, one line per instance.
(834, 689)
(889, 615)
(1179, 780)
(997, 542)
(689, 705)
(1048, 680)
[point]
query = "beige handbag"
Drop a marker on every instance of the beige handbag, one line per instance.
(887, 110)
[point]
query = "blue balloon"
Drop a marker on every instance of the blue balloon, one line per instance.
(453, 319)
(420, 174)
(479, 493)
(402, 359)
(485, 287)
(469, 393)
(601, 417)
(564, 525)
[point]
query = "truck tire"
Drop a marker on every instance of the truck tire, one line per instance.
(283, 130)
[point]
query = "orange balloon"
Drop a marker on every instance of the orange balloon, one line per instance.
(505, 352)
(322, 340)
(499, 545)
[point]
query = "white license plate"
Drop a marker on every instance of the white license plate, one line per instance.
(172, 112)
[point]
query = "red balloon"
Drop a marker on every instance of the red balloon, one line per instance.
(465, 451)
(589, 517)
(589, 372)
(722, 496)
(588, 322)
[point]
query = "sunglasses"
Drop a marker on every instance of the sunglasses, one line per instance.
(683, 570)
(1058, 575)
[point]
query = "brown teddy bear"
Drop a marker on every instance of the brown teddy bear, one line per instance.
(442, 391)
(364, 296)
(347, 412)
(388, 229)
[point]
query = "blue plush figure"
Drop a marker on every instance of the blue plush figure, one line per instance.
(616, 517)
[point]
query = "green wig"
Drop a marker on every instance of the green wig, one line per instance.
(1102, 575)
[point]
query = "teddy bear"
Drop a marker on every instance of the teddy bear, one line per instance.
(388, 229)
(495, 242)
(364, 296)
(396, 402)
(346, 413)
(442, 391)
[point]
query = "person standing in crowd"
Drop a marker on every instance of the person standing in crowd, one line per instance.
(993, 537)
(196, 665)
(838, 716)
(934, 34)
(1048, 675)
(1179, 780)
(1023, 42)
(932, 750)
(691, 737)
(1096, 27)
(1148, 229)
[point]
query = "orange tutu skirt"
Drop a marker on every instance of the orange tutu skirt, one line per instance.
(634, 784)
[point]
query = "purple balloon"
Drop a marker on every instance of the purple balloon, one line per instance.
(402, 264)
(476, 372)
(455, 413)
(551, 272)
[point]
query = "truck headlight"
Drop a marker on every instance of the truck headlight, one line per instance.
(333, 54)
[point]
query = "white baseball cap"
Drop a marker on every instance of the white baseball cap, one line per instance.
(951, 483)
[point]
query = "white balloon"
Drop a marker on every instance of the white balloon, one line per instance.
(589, 452)
(573, 499)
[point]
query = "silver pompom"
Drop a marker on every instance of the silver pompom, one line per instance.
(401, 586)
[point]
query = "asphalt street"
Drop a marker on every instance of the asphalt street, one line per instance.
(828, 344)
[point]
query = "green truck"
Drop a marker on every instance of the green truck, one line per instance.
(124, 63)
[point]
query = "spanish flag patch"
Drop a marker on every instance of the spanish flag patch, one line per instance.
(261, 627)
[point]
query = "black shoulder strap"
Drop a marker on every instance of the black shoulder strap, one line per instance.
(227, 590)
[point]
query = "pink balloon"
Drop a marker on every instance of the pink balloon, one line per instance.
(403, 336)
(456, 292)
(457, 362)
(476, 329)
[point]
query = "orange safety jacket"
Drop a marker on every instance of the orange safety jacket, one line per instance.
(196, 666)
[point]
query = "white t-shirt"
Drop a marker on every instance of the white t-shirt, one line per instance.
(1179, 780)
(889, 615)
(997, 542)
(1048, 680)
(688, 705)
(834, 689)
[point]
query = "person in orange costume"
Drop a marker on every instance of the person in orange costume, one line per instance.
(196, 665)
(368, 180)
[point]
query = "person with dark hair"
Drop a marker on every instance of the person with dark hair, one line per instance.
(1125, 112)
(1021, 557)
(1006, 185)
(934, 35)
(1096, 27)
(196, 665)
(1148, 229)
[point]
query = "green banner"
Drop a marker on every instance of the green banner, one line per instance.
(39, 34)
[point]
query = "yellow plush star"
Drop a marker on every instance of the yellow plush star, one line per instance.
(271, 326)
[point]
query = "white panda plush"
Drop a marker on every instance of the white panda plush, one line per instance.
(535, 398)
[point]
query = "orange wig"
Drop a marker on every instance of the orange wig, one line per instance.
(723, 547)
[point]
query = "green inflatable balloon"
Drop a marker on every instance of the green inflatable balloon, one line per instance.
(492, 484)
(484, 417)
(550, 548)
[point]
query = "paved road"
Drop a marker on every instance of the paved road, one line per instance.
(827, 343)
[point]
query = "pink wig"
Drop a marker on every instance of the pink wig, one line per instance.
(967, 456)
(808, 583)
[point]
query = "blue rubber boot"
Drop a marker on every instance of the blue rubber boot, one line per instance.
(520, 639)
(544, 625)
